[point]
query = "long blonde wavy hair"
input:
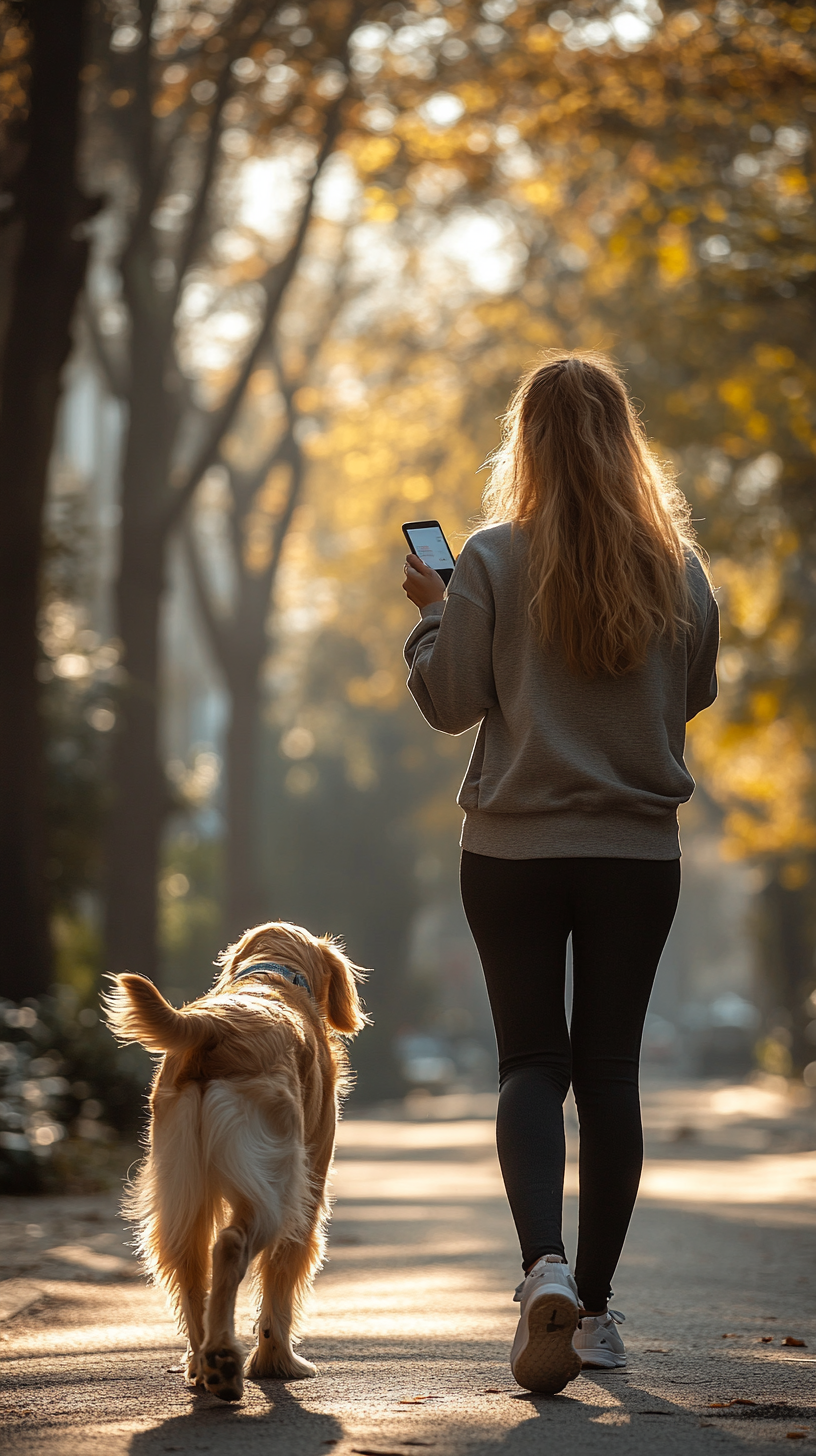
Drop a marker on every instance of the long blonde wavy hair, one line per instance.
(608, 530)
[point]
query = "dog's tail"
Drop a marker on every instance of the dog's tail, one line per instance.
(135, 1010)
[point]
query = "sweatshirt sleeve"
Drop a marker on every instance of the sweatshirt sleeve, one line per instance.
(450, 656)
(701, 689)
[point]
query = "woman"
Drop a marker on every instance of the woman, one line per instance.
(580, 631)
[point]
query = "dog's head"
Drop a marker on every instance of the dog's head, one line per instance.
(332, 977)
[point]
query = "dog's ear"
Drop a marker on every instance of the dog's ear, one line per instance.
(343, 1008)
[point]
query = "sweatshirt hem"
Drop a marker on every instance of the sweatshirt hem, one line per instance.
(570, 836)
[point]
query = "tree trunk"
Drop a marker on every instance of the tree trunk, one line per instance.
(244, 900)
(240, 649)
(138, 788)
(151, 509)
(140, 795)
(48, 277)
(789, 957)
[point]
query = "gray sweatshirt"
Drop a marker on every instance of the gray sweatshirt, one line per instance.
(563, 765)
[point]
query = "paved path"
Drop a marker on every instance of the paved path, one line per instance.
(413, 1316)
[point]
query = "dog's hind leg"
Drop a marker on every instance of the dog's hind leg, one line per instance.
(257, 1152)
(174, 1210)
(285, 1279)
(192, 1285)
(221, 1360)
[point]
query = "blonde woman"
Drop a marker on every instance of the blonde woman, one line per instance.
(579, 630)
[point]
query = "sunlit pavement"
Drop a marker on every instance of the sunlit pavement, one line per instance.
(413, 1316)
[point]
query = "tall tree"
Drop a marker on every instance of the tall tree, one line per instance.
(263, 494)
(46, 282)
(261, 505)
(180, 99)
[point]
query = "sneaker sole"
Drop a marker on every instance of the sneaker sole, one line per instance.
(548, 1361)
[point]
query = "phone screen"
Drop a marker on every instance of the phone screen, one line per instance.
(430, 545)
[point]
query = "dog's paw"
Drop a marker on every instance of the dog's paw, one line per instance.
(221, 1373)
(192, 1370)
(268, 1363)
(300, 1369)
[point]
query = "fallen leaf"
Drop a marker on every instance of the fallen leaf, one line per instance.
(796, 1435)
(730, 1337)
(765, 1339)
(418, 1399)
(723, 1404)
(717, 1404)
(791, 1340)
(174, 1370)
(653, 1350)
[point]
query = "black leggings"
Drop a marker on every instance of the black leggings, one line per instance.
(521, 913)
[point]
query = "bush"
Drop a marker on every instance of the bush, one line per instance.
(70, 1098)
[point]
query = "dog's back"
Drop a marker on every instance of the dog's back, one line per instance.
(230, 1104)
(244, 1107)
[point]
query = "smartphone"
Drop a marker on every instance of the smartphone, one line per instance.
(427, 541)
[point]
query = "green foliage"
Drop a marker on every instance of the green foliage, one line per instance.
(78, 952)
(69, 1096)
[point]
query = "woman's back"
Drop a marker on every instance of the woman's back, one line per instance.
(580, 631)
(564, 764)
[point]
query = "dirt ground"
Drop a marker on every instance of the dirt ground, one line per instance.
(412, 1318)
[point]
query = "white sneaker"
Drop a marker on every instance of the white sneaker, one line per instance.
(598, 1342)
(542, 1357)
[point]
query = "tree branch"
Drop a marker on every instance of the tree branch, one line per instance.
(198, 216)
(236, 517)
(256, 590)
(218, 638)
(277, 281)
(144, 165)
(141, 127)
(284, 521)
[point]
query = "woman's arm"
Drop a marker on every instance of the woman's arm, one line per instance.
(701, 689)
(450, 656)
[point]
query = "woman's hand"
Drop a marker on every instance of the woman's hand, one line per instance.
(422, 584)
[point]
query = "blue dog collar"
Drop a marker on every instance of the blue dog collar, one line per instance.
(274, 968)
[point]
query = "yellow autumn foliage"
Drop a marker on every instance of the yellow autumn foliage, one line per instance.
(761, 772)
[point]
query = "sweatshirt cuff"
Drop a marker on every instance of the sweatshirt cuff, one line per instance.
(432, 609)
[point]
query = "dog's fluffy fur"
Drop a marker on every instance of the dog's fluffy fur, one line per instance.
(243, 1115)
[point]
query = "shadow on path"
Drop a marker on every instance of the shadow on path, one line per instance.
(610, 1411)
(213, 1425)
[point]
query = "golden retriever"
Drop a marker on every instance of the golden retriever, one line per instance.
(244, 1109)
